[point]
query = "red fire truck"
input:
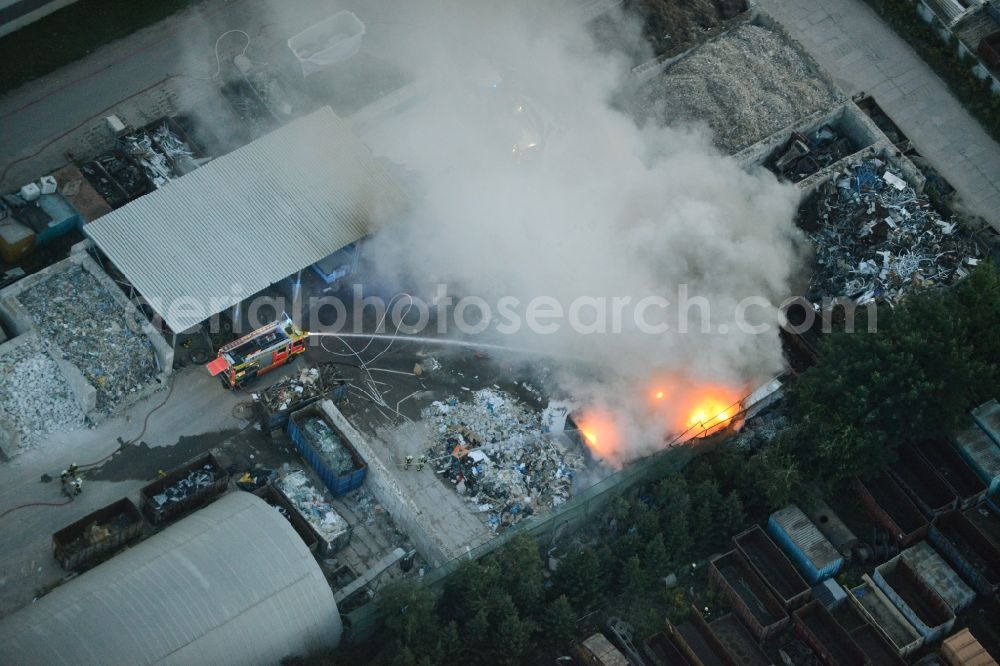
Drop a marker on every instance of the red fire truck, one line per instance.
(269, 347)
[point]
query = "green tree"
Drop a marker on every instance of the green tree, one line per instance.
(513, 637)
(908, 381)
(521, 573)
(655, 558)
(732, 517)
(559, 625)
(578, 577)
(408, 612)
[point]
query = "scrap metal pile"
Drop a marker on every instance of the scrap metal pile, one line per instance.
(140, 147)
(876, 239)
(802, 156)
(746, 85)
(34, 395)
(291, 392)
(499, 454)
(92, 330)
(116, 178)
(309, 502)
(195, 481)
(330, 446)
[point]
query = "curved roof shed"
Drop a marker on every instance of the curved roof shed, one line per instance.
(230, 584)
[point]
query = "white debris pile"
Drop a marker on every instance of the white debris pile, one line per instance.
(876, 239)
(746, 85)
(499, 454)
(74, 311)
(492, 416)
(311, 503)
(34, 395)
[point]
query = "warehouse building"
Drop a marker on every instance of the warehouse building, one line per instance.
(230, 584)
(249, 219)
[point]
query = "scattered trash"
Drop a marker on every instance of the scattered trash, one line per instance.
(876, 241)
(74, 311)
(289, 393)
(309, 502)
(745, 85)
(497, 453)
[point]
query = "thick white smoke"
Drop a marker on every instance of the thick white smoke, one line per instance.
(528, 182)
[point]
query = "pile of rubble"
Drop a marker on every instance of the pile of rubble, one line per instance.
(185, 487)
(309, 502)
(802, 156)
(34, 395)
(289, 393)
(337, 457)
(876, 239)
(497, 453)
(74, 311)
(746, 85)
(175, 148)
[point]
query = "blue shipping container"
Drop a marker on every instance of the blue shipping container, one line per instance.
(813, 555)
(338, 484)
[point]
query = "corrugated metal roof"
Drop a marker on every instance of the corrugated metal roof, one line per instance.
(806, 536)
(249, 219)
(230, 584)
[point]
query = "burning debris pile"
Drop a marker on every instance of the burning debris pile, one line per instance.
(298, 390)
(876, 239)
(185, 487)
(746, 85)
(802, 156)
(498, 454)
(34, 394)
(74, 311)
(309, 502)
(332, 448)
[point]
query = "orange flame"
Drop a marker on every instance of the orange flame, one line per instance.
(683, 409)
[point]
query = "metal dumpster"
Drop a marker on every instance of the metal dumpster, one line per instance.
(277, 499)
(183, 489)
(319, 453)
(91, 539)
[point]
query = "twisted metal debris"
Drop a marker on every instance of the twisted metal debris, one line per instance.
(876, 239)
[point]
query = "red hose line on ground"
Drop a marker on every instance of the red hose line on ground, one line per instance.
(145, 424)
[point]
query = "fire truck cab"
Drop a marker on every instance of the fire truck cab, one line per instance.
(243, 360)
